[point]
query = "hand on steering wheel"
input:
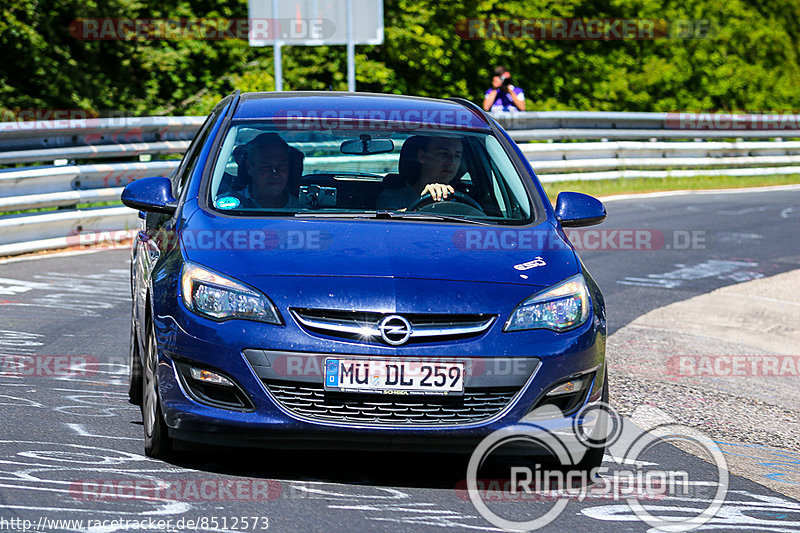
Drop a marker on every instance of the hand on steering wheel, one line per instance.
(454, 196)
(438, 191)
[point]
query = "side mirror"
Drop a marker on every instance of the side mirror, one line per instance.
(574, 209)
(153, 195)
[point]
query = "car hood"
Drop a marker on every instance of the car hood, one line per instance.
(248, 247)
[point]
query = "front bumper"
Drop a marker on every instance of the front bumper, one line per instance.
(224, 347)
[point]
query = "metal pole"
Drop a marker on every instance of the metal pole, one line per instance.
(278, 67)
(351, 50)
(277, 48)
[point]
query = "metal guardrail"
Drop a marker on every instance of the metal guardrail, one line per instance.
(618, 156)
(95, 132)
(587, 125)
(93, 152)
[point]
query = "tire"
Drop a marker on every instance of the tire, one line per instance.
(135, 369)
(157, 443)
(594, 455)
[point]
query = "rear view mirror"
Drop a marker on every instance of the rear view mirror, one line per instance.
(366, 145)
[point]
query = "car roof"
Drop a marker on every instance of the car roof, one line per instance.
(360, 106)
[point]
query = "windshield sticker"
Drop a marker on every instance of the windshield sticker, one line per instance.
(226, 202)
(538, 262)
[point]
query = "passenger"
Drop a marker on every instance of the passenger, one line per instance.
(428, 169)
(268, 161)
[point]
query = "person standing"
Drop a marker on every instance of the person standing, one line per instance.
(503, 95)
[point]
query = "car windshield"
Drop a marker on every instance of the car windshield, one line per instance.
(264, 170)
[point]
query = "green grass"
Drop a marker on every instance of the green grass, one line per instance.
(593, 187)
(54, 209)
(641, 185)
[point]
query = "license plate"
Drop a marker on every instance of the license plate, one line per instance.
(394, 376)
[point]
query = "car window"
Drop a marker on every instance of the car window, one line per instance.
(187, 165)
(264, 170)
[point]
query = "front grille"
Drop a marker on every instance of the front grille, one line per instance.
(366, 325)
(311, 401)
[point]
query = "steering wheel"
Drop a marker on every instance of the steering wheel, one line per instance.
(460, 197)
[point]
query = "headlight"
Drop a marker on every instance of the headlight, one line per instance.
(214, 296)
(561, 307)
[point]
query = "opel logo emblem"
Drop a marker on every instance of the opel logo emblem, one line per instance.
(395, 330)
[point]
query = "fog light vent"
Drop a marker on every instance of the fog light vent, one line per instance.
(567, 396)
(212, 388)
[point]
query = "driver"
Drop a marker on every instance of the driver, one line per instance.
(438, 159)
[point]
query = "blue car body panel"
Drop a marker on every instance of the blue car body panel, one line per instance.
(378, 266)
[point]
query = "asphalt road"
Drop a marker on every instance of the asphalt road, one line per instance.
(71, 446)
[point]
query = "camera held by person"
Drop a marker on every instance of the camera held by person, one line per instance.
(503, 95)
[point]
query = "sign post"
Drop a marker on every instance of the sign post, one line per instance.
(314, 23)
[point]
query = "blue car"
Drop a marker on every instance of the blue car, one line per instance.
(360, 271)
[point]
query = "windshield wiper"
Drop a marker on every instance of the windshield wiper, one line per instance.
(366, 214)
(430, 216)
(388, 215)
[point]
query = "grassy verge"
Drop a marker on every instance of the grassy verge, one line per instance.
(87, 205)
(593, 187)
(641, 185)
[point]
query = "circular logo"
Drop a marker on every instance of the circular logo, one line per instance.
(395, 330)
(597, 426)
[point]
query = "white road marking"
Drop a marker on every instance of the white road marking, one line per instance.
(719, 268)
(79, 429)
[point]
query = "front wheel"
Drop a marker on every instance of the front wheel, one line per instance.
(594, 456)
(135, 369)
(157, 442)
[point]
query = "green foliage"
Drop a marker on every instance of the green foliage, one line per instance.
(749, 60)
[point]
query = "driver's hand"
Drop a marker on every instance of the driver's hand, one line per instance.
(438, 191)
